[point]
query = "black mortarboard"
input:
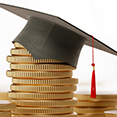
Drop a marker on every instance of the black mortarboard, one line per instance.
(50, 37)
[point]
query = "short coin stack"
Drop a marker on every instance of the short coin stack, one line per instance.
(6, 107)
(88, 107)
(42, 87)
(112, 113)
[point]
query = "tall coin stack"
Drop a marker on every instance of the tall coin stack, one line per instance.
(88, 107)
(42, 87)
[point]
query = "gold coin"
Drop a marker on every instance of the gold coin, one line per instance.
(64, 81)
(44, 89)
(109, 97)
(29, 59)
(20, 52)
(37, 115)
(96, 104)
(4, 96)
(91, 115)
(6, 105)
(33, 110)
(42, 67)
(38, 74)
(5, 114)
(92, 110)
(46, 103)
(112, 113)
(18, 45)
(36, 96)
(109, 115)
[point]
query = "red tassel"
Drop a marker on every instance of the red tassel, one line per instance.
(93, 84)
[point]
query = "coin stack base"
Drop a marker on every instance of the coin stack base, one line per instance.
(89, 107)
(42, 87)
(6, 107)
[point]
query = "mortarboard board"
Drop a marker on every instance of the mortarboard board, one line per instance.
(49, 37)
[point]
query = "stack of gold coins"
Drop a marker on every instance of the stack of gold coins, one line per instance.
(42, 87)
(88, 107)
(6, 107)
(111, 113)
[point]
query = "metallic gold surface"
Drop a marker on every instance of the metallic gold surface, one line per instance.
(5, 114)
(46, 103)
(33, 110)
(20, 52)
(109, 115)
(4, 96)
(42, 67)
(96, 104)
(92, 110)
(61, 115)
(29, 59)
(64, 81)
(17, 45)
(91, 115)
(35, 96)
(101, 97)
(38, 74)
(6, 105)
(44, 89)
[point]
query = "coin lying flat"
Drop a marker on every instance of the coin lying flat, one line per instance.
(43, 89)
(29, 59)
(38, 74)
(91, 115)
(42, 67)
(46, 103)
(96, 103)
(63, 81)
(92, 110)
(5, 114)
(60, 115)
(33, 110)
(18, 45)
(110, 113)
(35, 96)
(6, 105)
(20, 52)
(99, 97)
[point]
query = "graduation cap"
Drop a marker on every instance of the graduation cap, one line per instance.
(49, 37)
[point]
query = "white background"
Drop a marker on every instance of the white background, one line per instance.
(96, 17)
